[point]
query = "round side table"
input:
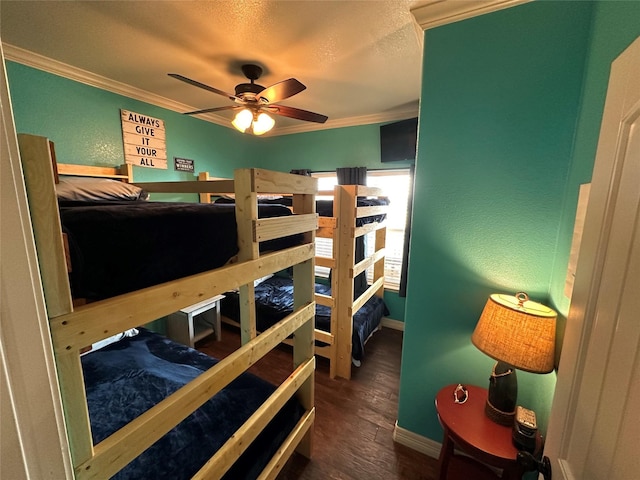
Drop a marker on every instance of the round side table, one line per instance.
(484, 441)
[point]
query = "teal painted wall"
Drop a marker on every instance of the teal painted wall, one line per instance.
(500, 100)
(615, 26)
(325, 150)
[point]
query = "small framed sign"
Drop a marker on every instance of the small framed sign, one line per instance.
(183, 164)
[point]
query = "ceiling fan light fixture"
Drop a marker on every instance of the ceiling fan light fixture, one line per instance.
(252, 98)
(262, 124)
(243, 119)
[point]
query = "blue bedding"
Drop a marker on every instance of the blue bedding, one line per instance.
(155, 242)
(126, 378)
(274, 301)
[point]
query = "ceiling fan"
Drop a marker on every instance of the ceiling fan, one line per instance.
(255, 101)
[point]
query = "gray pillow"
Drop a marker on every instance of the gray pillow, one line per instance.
(91, 189)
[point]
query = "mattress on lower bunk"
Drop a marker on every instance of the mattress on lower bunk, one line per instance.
(324, 208)
(118, 247)
(274, 301)
(126, 378)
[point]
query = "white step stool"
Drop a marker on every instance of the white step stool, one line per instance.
(195, 322)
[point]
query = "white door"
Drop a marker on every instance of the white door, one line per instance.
(594, 428)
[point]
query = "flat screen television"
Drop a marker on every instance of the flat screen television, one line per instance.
(398, 140)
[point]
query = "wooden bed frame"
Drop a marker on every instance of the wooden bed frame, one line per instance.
(344, 232)
(75, 328)
(341, 228)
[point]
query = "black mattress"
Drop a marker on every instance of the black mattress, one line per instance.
(274, 301)
(127, 378)
(122, 246)
(324, 208)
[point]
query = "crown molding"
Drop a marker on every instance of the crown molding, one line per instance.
(441, 12)
(46, 64)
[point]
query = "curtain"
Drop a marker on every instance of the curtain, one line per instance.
(407, 237)
(355, 176)
(352, 175)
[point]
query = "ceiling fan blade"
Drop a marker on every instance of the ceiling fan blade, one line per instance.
(215, 109)
(195, 83)
(297, 113)
(281, 90)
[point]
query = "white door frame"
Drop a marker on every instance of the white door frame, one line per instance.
(598, 371)
(33, 442)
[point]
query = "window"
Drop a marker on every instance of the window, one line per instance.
(396, 184)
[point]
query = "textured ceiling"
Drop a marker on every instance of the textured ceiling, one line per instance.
(360, 60)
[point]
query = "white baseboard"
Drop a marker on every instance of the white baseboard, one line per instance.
(416, 442)
(393, 324)
(425, 445)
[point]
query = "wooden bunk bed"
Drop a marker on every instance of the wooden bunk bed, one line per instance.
(346, 220)
(350, 222)
(75, 328)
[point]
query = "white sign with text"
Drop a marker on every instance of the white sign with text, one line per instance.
(144, 140)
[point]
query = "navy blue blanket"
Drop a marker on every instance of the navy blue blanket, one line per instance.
(126, 378)
(118, 247)
(274, 301)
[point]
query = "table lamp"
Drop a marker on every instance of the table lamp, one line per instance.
(518, 333)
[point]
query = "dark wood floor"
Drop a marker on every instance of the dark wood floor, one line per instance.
(354, 419)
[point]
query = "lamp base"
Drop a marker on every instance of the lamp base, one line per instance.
(503, 391)
(498, 416)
